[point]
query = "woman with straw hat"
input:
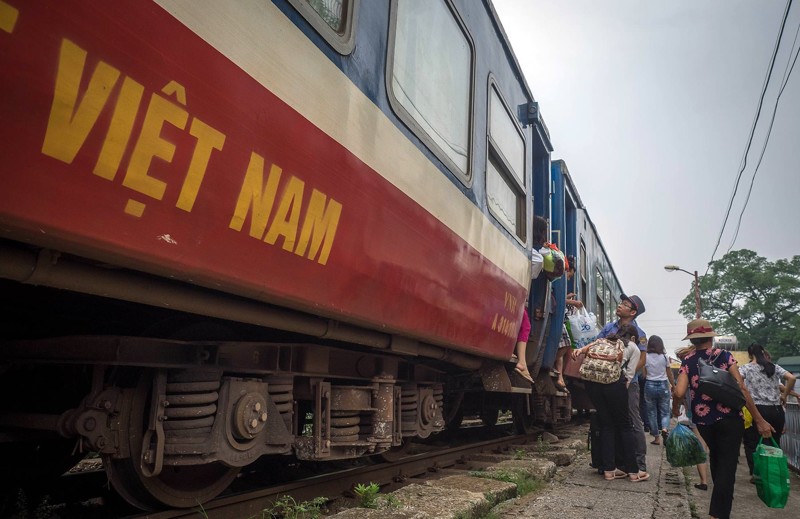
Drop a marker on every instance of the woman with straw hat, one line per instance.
(721, 427)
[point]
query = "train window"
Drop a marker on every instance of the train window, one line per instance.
(505, 170)
(582, 266)
(506, 137)
(334, 20)
(600, 288)
(429, 77)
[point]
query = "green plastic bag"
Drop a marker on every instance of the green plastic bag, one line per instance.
(683, 447)
(771, 473)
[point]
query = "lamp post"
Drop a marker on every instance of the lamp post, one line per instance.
(673, 268)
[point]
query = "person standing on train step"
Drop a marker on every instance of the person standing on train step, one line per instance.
(763, 379)
(628, 309)
(720, 426)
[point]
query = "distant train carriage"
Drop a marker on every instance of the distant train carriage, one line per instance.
(235, 229)
(595, 282)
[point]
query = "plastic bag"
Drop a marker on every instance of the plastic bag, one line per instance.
(683, 447)
(771, 474)
(553, 264)
(584, 327)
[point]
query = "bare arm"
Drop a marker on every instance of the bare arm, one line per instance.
(764, 428)
(678, 393)
(642, 360)
(789, 381)
(670, 376)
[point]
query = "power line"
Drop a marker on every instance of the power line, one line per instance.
(786, 75)
(752, 132)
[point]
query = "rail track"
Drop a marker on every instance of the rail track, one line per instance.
(85, 494)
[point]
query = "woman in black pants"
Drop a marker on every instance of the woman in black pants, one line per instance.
(611, 404)
(763, 378)
(721, 427)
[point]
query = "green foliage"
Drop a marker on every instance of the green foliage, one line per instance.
(524, 482)
(367, 494)
(520, 454)
(542, 446)
(391, 501)
(755, 299)
(287, 508)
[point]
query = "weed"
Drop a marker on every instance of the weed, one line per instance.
(542, 446)
(287, 508)
(391, 501)
(367, 494)
(524, 482)
(520, 454)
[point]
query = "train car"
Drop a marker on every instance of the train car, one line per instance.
(595, 282)
(232, 229)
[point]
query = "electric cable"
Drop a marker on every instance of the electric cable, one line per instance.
(752, 131)
(786, 75)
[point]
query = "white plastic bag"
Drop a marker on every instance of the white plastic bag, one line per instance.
(584, 327)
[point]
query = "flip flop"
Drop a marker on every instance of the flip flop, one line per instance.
(524, 373)
(641, 476)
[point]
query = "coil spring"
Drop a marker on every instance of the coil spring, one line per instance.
(192, 406)
(281, 393)
(409, 410)
(345, 426)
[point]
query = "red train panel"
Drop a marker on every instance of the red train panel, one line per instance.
(126, 138)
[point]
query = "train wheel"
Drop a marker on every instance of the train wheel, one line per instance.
(176, 487)
(523, 422)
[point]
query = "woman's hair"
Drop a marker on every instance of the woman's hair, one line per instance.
(539, 231)
(697, 341)
(624, 333)
(757, 352)
(655, 345)
(571, 261)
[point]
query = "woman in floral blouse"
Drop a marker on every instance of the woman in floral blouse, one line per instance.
(763, 379)
(721, 427)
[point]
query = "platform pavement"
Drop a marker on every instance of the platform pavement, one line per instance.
(578, 492)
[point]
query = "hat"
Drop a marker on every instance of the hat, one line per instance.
(636, 301)
(699, 328)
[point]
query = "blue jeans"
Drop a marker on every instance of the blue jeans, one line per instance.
(656, 397)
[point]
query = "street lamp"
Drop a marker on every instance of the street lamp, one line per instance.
(673, 268)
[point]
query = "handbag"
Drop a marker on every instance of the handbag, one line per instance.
(719, 384)
(771, 474)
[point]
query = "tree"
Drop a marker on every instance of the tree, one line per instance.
(755, 299)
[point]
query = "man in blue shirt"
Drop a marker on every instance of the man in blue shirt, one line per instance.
(628, 309)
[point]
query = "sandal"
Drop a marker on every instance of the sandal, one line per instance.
(640, 476)
(524, 373)
(615, 474)
(664, 434)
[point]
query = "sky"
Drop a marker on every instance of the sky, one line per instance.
(651, 105)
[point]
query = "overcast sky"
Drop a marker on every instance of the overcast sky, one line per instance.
(651, 104)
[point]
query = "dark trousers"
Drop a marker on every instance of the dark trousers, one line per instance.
(723, 438)
(611, 403)
(776, 417)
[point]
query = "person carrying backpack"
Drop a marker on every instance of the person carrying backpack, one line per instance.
(613, 355)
